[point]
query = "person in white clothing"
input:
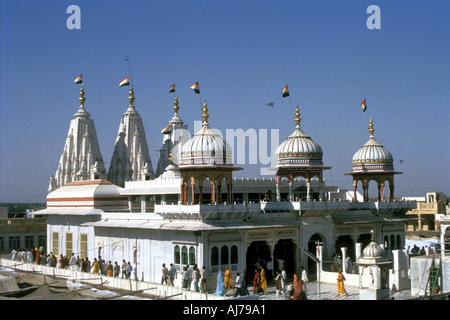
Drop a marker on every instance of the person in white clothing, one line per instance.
(73, 262)
(238, 285)
(283, 281)
(305, 279)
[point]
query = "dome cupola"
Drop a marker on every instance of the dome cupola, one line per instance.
(206, 146)
(299, 149)
(372, 155)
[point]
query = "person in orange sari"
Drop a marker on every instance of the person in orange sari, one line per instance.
(38, 257)
(340, 283)
(228, 279)
(263, 279)
(96, 266)
(256, 279)
(109, 270)
(298, 287)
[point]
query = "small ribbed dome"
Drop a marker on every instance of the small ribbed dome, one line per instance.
(372, 152)
(373, 250)
(372, 155)
(299, 148)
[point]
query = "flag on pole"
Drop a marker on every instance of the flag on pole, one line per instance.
(285, 92)
(195, 87)
(167, 129)
(364, 105)
(79, 79)
(125, 82)
(172, 88)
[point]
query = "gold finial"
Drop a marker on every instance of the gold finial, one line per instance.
(205, 114)
(170, 157)
(297, 117)
(82, 99)
(131, 96)
(176, 107)
(371, 129)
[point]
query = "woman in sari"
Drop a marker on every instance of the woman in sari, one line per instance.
(96, 266)
(109, 270)
(263, 280)
(298, 287)
(228, 279)
(340, 284)
(256, 281)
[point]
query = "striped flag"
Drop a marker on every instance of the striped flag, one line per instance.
(195, 87)
(125, 82)
(79, 79)
(285, 92)
(364, 105)
(167, 129)
(172, 88)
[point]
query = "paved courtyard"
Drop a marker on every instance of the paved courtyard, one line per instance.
(327, 292)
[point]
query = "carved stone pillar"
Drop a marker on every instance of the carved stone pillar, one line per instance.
(193, 194)
(200, 195)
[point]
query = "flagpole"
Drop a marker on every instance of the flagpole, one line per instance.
(292, 108)
(129, 66)
(200, 95)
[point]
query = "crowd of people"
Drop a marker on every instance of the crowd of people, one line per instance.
(295, 290)
(98, 266)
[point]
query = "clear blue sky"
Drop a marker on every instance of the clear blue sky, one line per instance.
(242, 53)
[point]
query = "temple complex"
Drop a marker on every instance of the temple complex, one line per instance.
(193, 211)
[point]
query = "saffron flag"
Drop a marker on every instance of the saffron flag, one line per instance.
(172, 88)
(167, 129)
(79, 79)
(125, 82)
(364, 105)
(285, 92)
(195, 87)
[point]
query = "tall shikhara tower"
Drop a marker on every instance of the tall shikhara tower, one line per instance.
(131, 159)
(81, 158)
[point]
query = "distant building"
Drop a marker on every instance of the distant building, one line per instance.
(21, 233)
(435, 203)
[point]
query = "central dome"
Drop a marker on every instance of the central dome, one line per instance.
(206, 147)
(299, 148)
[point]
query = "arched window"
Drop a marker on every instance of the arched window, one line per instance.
(399, 242)
(184, 255)
(191, 256)
(224, 255)
(386, 242)
(135, 253)
(215, 256)
(176, 255)
(392, 247)
(234, 255)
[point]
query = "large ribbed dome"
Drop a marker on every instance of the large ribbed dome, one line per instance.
(372, 155)
(299, 148)
(206, 146)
